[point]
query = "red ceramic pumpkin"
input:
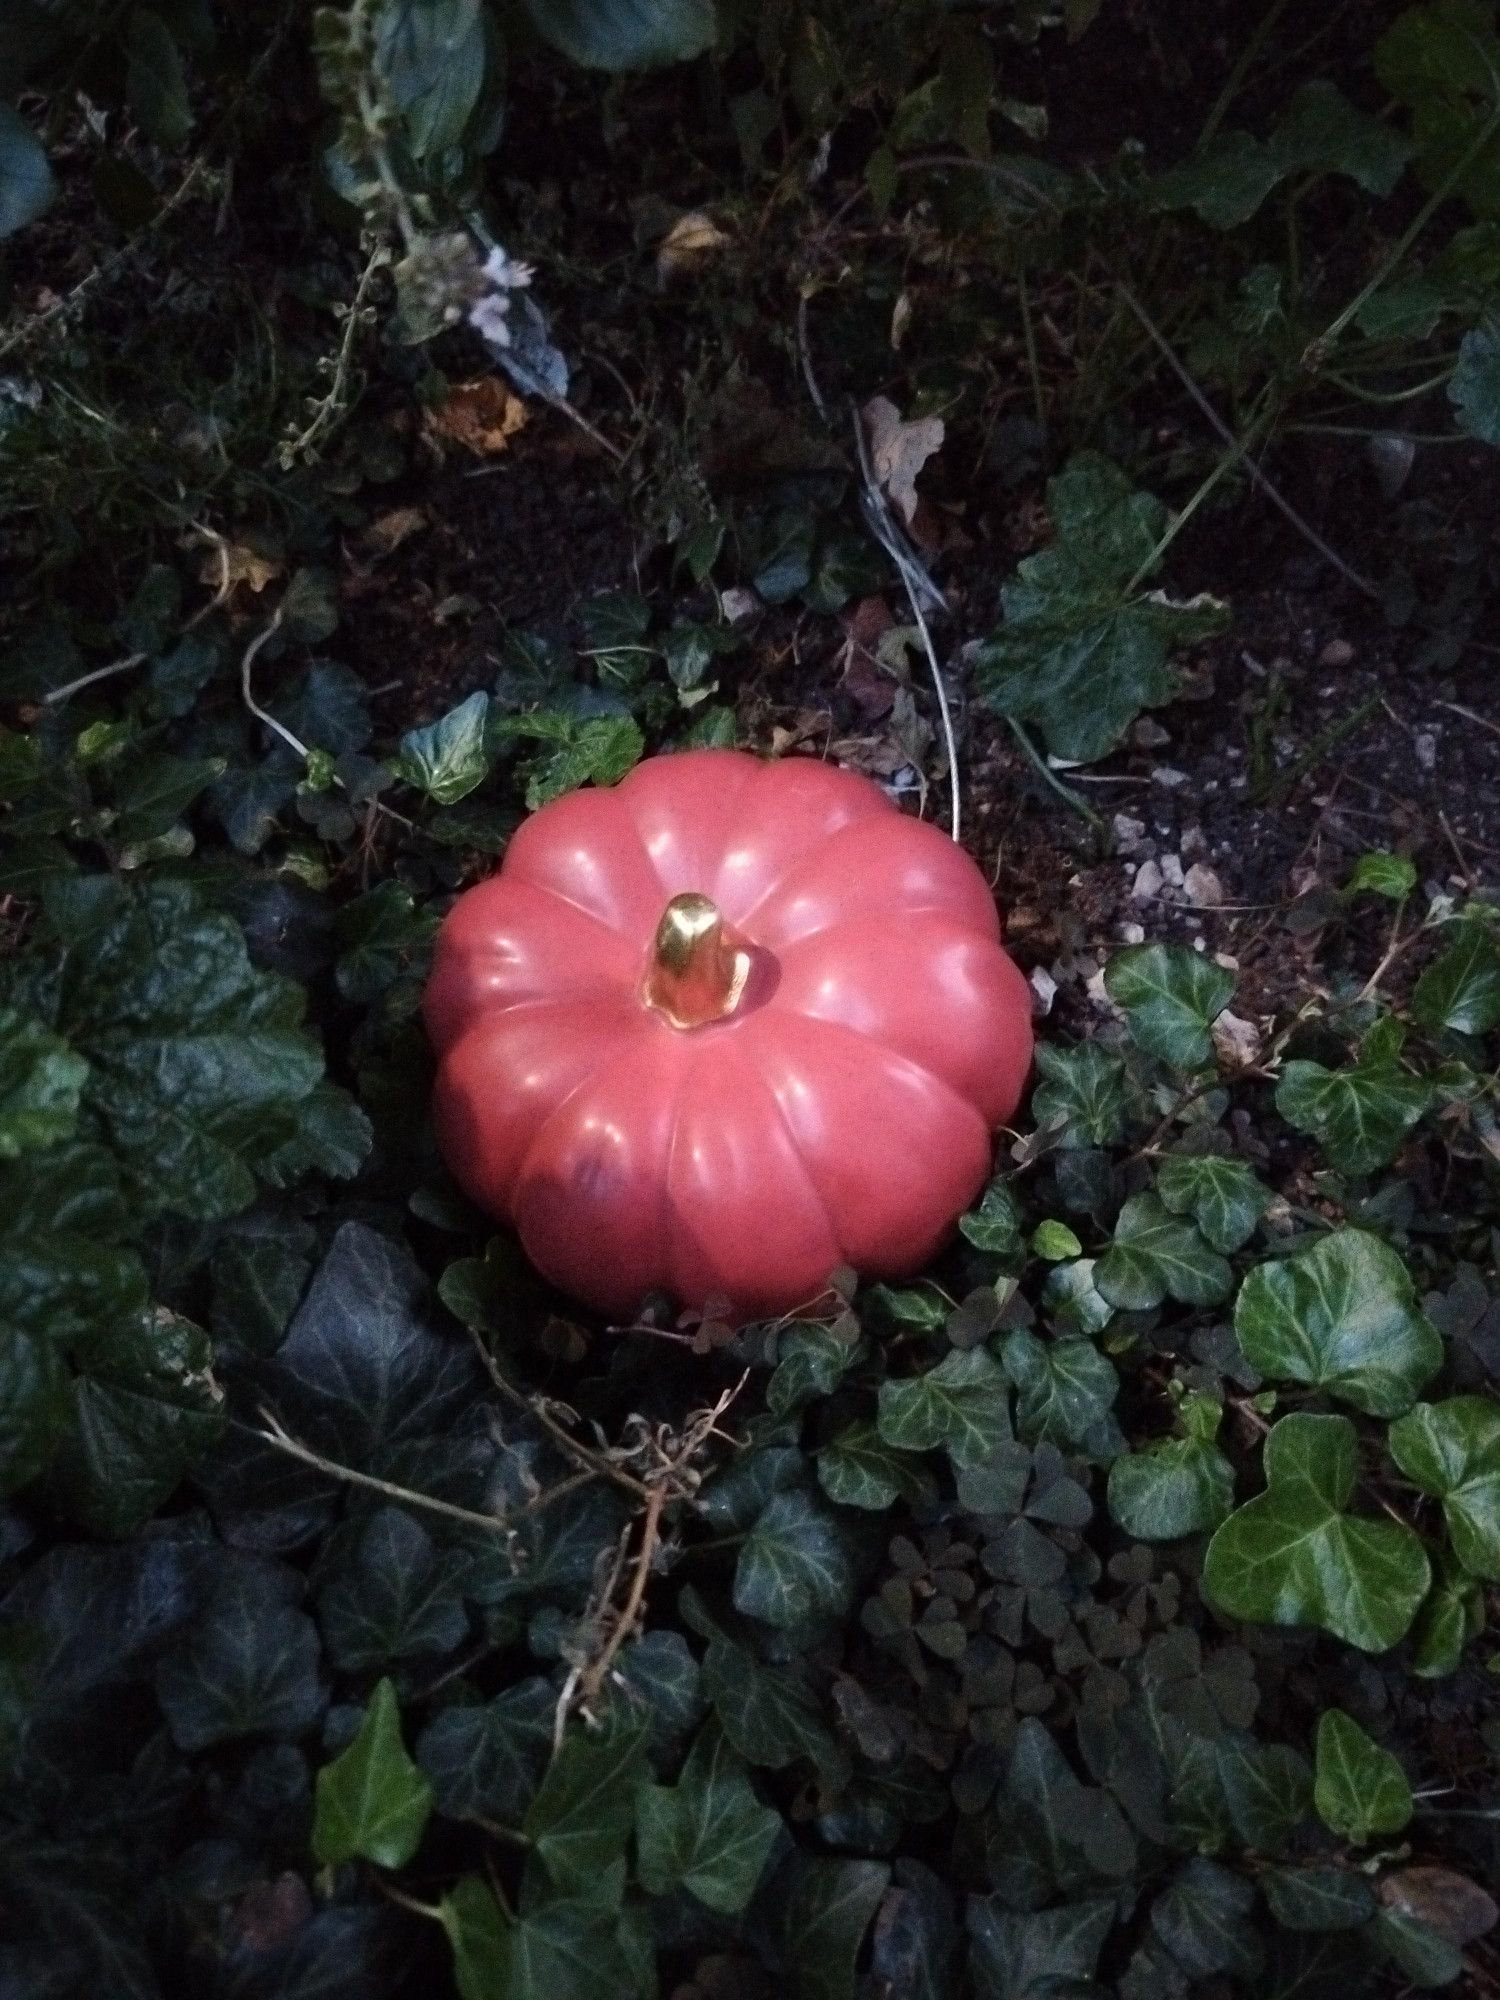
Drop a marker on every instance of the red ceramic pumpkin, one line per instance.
(722, 1028)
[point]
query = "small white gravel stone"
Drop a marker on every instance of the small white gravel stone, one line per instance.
(1168, 775)
(1148, 883)
(1203, 885)
(1044, 988)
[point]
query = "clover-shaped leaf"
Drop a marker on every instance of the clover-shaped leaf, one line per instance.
(1222, 1195)
(1452, 1450)
(1342, 1316)
(1294, 1556)
(1170, 998)
(1156, 1255)
(1358, 1115)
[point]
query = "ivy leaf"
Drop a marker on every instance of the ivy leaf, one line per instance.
(1358, 1788)
(248, 1667)
(626, 34)
(962, 1406)
(826, 1909)
(1340, 1315)
(448, 759)
(1066, 1388)
(596, 748)
(1081, 1096)
(26, 185)
(1452, 1450)
(1381, 873)
(560, 1948)
(432, 58)
(1081, 653)
(372, 1801)
(792, 1565)
(1358, 1115)
(1318, 1899)
(1176, 1486)
(1293, 1556)
(1422, 1954)
(812, 1360)
(40, 1083)
(768, 1712)
(198, 1064)
(155, 79)
(583, 1812)
(995, 1226)
(145, 1408)
(708, 1833)
(1474, 386)
(396, 1600)
(1321, 132)
(1203, 1918)
(1223, 183)
(1170, 998)
(1154, 1255)
(485, 1759)
(1461, 990)
(1034, 1954)
(859, 1469)
(1222, 1195)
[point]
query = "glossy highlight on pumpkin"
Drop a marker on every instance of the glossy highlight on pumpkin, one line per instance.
(835, 1107)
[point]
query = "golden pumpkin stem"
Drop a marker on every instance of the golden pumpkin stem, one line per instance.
(699, 964)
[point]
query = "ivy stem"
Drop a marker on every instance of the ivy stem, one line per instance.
(1064, 792)
(273, 1434)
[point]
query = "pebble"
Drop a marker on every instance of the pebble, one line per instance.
(1132, 934)
(1337, 653)
(1426, 748)
(740, 604)
(1129, 833)
(1192, 844)
(1149, 735)
(1237, 1041)
(1203, 885)
(1168, 775)
(1044, 987)
(1148, 883)
(1171, 870)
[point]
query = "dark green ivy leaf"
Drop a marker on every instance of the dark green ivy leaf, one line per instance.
(1170, 998)
(1222, 1195)
(26, 185)
(486, 1759)
(826, 1907)
(40, 1082)
(1081, 1096)
(626, 34)
(1452, 1451)
(1461, 991)
(248, 1667)
(583, 1813)
(1154, 1255)
(1359, 1789)
(1359, 1115)
(396, 1599)
(448, 759)
(1340, 1315)
(1293, 1556)
(708, 1833)
(792, 1566)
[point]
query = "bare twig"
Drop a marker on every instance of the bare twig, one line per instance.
(596, 1462)
(1242, 455)
(592, 1678)
(346, 1475)
(918, 585)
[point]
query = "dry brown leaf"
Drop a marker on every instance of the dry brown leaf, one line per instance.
(1455, 1907)
(231, 564)
(482, 416)
(388, 531)
(688, 244)
(899, 450)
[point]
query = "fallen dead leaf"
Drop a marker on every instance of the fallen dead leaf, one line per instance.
(482, 416)
(1455, 1907)
(899, 450)
(1237, 1042)
(233, 564)
(388, 531)
(691, 241)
